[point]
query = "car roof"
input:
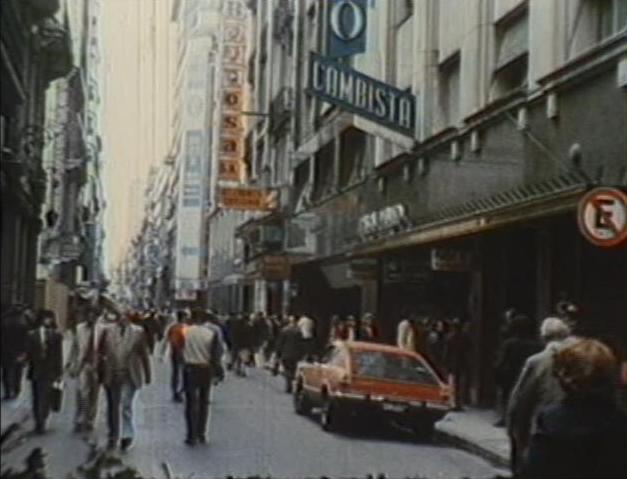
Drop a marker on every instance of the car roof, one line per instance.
(375, 347)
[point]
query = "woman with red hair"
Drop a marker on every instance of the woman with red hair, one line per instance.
(583, 436)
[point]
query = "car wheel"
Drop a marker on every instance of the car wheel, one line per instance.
(302, 404)
(329, 415)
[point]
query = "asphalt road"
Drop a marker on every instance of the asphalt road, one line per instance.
(253, 431)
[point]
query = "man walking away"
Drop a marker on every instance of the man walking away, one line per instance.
(174, 341)
(45, 357)
(289, 351)
(202, 354)
(82, 365)
(125, 369)
(520, 345)
(536, 387)
(14, 337)
(457, 355)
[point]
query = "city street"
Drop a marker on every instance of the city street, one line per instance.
(253, 431)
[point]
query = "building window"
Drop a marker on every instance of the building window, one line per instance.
(324, 181)
(302, 186)
(449, 90)
(511, 61)
(353, 144)
(611, 17)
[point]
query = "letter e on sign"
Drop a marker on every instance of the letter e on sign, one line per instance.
(602, 217)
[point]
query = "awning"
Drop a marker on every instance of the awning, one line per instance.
(558, 195)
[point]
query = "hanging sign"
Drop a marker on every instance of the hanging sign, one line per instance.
(341, 85)
(602, 217)
(382, 220)
(346, 27)
(247, 199)
(452, 260)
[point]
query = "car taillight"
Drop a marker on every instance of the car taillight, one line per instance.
(446, 395)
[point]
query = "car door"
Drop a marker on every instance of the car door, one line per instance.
(314, 374)
(334, 370)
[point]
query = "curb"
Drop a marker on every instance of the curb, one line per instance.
(472, 447)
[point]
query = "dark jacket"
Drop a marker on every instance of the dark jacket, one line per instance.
(44, 364)
(290, 344)
(511, 359)
(241, 336)
(578, 439)
(14, 337)
(456, 352)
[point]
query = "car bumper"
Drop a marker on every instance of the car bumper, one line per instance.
(357, 404)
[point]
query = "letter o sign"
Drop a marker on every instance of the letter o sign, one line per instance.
(347, 19)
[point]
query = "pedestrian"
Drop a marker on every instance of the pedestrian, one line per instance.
(174, 340)
(309, 346)
(82, 365)
(405, 335)
(259, 338)
(44, 349)
(240, 332)
(125, 360)
(351, 328)
(435, 343)
(202, 354)
(289, 351)
(367, 330)
(14, 337)
(457, 356)
(510, 359)
(584, 435)
(535, 388)
(337, 330)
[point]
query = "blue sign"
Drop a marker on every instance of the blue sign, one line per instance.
(340, 85)
(346, 27)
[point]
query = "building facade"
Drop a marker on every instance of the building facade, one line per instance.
(463, 204)
(36, 50)
(71, 243)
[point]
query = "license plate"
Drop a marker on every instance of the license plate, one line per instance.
(394, 407)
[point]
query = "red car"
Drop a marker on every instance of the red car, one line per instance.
(358, 378)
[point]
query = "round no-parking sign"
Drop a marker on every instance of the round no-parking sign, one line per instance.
(602, 216)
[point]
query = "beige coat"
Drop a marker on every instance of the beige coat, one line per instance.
(406, 336)
(536, 387)
(128, 352)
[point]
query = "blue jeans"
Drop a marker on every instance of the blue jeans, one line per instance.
(120, 397)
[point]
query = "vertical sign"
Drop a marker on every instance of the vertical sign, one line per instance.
(231, 138)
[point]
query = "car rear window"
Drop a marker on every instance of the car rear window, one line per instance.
(393, 367)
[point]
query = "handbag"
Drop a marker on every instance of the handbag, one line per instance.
(56, 396)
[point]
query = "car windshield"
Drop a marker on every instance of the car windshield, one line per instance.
(394, 367)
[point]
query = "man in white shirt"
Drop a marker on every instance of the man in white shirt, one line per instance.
(202, 354)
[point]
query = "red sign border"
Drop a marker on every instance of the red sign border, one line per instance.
(583, 203)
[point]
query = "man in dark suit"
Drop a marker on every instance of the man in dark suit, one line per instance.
(14, 335)
(44, 351)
